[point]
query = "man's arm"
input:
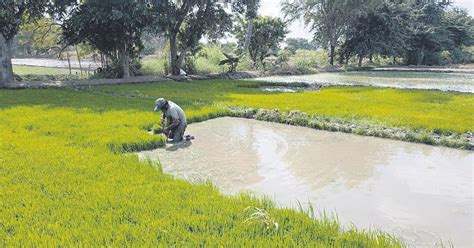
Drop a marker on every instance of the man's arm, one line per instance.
(163, 120)
(176, 121)
(173, 125)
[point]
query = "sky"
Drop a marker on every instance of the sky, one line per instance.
(297, 29)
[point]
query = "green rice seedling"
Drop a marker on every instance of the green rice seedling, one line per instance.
(65, 180)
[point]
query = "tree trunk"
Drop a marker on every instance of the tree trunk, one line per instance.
(125, 57)
(371, 59)
(175, 70)
(360, 60)
(394, 60)
(248, 37)
(78, 59)
(6, 54)
(331, 55)
(181, 57)
(421, 57)
(69, 63)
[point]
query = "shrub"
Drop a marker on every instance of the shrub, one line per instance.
(205, 66)
(308, 60)
(156, 67)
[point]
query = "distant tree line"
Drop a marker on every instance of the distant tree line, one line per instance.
(116, 27)
(420, 32)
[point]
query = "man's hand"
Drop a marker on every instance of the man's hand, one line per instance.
(166, 132)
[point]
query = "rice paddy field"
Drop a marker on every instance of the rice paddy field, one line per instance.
(67, 178)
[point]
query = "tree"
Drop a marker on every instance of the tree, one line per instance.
(12, 14)
(427, 35)
(327, 18)
(41, 37)
(186, 22)
(460, 27)
(248, 8)
(267, 34)
(114, 27)
(293, 44)
(378, 31)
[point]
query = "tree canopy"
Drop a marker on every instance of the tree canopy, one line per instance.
(187, 22)
(268, 33)
(293, 44)
(328, 19)
(13, 13)
(114, 27)
(418, 31)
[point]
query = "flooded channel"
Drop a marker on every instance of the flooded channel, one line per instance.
(420, 193)
(461, 82)
(56, 63)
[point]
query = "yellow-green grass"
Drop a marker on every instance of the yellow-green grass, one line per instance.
(36, 70)
(411, 109)
(65, 182)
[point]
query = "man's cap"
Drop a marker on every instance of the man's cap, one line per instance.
(160, 103)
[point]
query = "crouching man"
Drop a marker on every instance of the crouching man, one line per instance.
(174, 117)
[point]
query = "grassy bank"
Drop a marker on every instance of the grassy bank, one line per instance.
(35, 70)
(64, 181)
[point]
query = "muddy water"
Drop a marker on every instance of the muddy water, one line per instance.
(418, 192)
(461, 82)
(55, 63)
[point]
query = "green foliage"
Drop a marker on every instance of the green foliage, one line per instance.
(308, 60)
(231, 61)
(13, 13)
(245, 64)
(186, 23)
(460, 27)
(267, 33)
(248, 8)
(41, 37)
(156, 67)
(293, 44)
(469, 53)
(206, 60)
(328, 19)
(378, 31)
(284, 56)
(65, 181)
(213, 52)
(113, 27)
(418, 31)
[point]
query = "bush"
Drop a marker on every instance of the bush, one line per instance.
(156, 67)
(206, 66)
(444, 58)
(115, 70)
(469, 51)
(245, 64)
(308, 60)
